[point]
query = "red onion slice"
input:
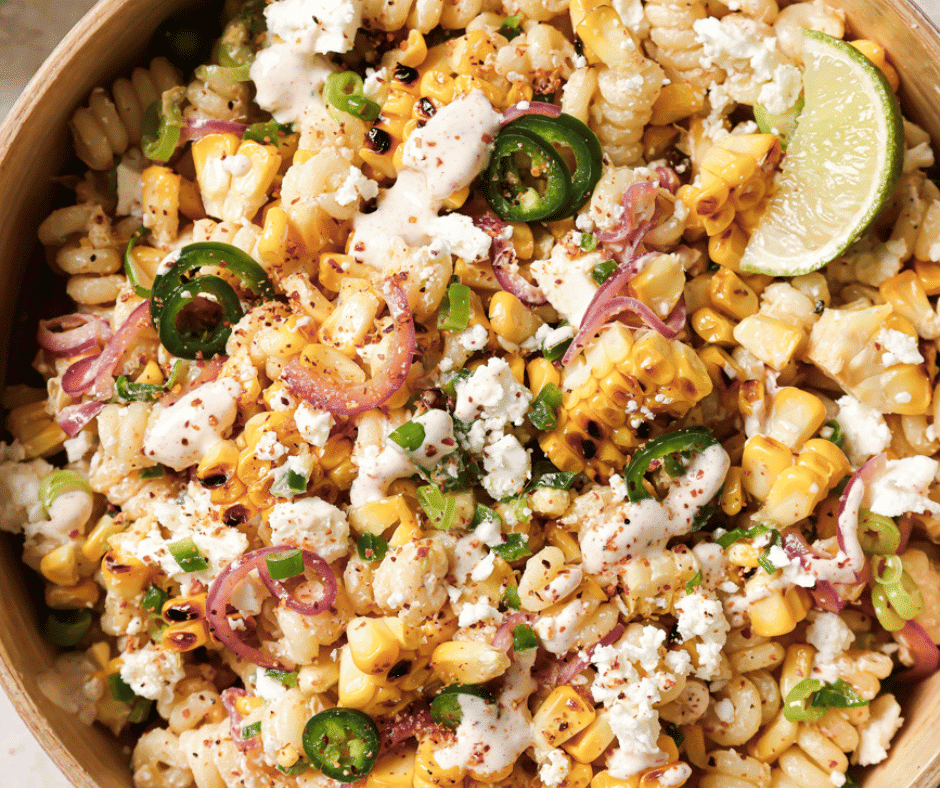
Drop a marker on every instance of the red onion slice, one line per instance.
(208, 371)
(905, 526)
(529, 108)
(826, 597)
(668, 179)
(639, 213)
(503, 637)
(70, 335)
(574, 666)
(316, 564)
(849, 503)
(926, 653)
(347, 398)
(503, 260)
(197, 128)
(229, 696)
(80, 375)
(404, 725)
(72, 418)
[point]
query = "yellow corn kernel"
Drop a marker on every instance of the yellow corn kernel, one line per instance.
(764, 459)
(877, 55)
(468, 662)
(372, 645)
(83, 594)
(558, 537)
(96, 544)
(798, 490)
(511, 319)
(676, 101)
(796, 416)
(579, 776)
(727, 247)
(720, 220)
(523, 242)
(35, 429)
(771, 340)
(929, 275)
(713, 327)
(395, 769)
(657, 140)
(428, 770)
(606, 37)
(355, 688)
(151, 374)
(732, 495)
(778, 613)
(184, 636)
(907, 295)
(562, 714)
(60, 566)
(160, 198)
(245, 704)
(120, 570)
(660, 284)
(542, 371)
(729, 294)
(589, 744)
(220, 460)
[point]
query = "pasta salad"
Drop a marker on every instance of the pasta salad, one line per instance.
(424, 418)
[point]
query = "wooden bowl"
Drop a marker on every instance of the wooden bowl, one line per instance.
(34, 145)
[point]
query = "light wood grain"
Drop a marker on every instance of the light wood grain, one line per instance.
(33, 142)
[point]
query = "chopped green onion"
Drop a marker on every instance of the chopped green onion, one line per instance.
(557, 351)
(67, 628)
(544, 410)
(764, 561)
(450, 381)
(154, 600)
(177, 372)
(344, 91)
(129, 270)
(905, 596)
(128, 391)
(833, 432)
(726, 540)
(61, 482)
(588, 242)
(674, 732)
(694, 583)
(510, 28)
(515, 547)
(267, 133)
(887, 570)
(544, 474)
(371, 547)
(289, 484)
(286, 677)
(603, 271)
(140, 710)
(162, 125)
(409, 435)
(250, 731)
(454, 314)
(296, 482)
(511, 597)
(877, 533)
(120, 689)
(887, 617)
(187, 555)
(838, 695)
(797, 707)
(300, 767)
(439, 508)
(285, 564)
(523, 638)
(483, 513)
(153, 472)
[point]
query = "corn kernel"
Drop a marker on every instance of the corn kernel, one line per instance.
(562, 714)
(713, 327)
(764, 459)
(395, 769)
(796, 416)
(468, 662)
(511, 319)
(589, 744)
(771, 340)
(372, 645)
(729, 294)
(84, 594)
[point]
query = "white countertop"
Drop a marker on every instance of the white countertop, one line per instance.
(28, 33)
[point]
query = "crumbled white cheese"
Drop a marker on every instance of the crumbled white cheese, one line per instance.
(474, 612)
(310, 523)
(702, 619)
(875, 735)
(463, 238)
(314, 425)
(322, 26)
(484, 568)
(491, 397)
(152, 672)
(508, 466)
(903, 486)
(566, 281)
(554, 767)
(267, 687)
(899, 348)
(865, 432)
(830, 636)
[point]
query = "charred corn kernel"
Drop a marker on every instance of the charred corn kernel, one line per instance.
(877, 55)
(372, 645)
(320, 676)
(83, 594)
(730, 295)
(184, 636)
(122, 571)
(245, 704)
(184, 608)
(720, 365)
(429, 770)
(468, 662)
(589, 744)
(696, 293)
(771, 340)
(395, 769)
(798, 490)
(720, 220)
(511, 319)
(219, 461)
(727, 247)
(60, 566)
(479, 276)
(796, 416)
(562, 714)
(713, 327)
(777, 613)
(732, 494)
(660, 284)
(541, 371)
(907, 295)
(752, 398)
(764, 459)
(96, 544)
(334, 268)
(676, 101)
(36, 430)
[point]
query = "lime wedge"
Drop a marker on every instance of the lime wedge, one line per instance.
(781, 124)
(841, 167)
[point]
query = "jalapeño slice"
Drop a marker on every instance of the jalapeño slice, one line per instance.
(342, 743)
(445, 708)
(526, 180)
(661, 448)
(568, 132)
(192, 325)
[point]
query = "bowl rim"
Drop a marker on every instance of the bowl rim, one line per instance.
(913, 13)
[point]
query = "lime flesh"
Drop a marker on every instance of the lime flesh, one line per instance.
(841, 167)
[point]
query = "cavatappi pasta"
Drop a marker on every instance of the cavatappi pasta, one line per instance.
(351, 484)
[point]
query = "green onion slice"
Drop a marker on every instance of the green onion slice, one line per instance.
(588, 242)
(140, 710)
(120, 689)
(877, 533)
(129, 269)
(285, 564)
(511, 597)
(454, 313)
(409, 435)
(905, 596)
(371, 547)
(129, 391)
(543, 413)
(300, 767)
(887, 570)
(694, 583)
(603, 271)
(344, 91)
(523, 638)
(60, 482)
(439, 508)
(510, 28)
(886, 615)
(250, 731)
(515, 547)
(187, 555)
(834, 433)
(154, 600)
(544, 474)
(67, 628)
(798, 706)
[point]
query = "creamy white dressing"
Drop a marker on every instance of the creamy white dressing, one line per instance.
(180, 435)
(439, 159)
(643, 528)
(288, 80)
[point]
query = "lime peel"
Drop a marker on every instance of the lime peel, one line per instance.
(841, 167)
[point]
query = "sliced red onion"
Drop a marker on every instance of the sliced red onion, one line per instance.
(229, 697)
(668, 179)
(574, 666)
(347, 398)
(70, 335)
(80, 375)
(503, 260)
(316, 564)
(849, 503)
(503, 637)
(926, 653)
(826, 597)
(197, 128)
(72, 418)
(529, 108)
(208, 371)
(639, 212)
(905, 526)
(825, 569)
(406, 724)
